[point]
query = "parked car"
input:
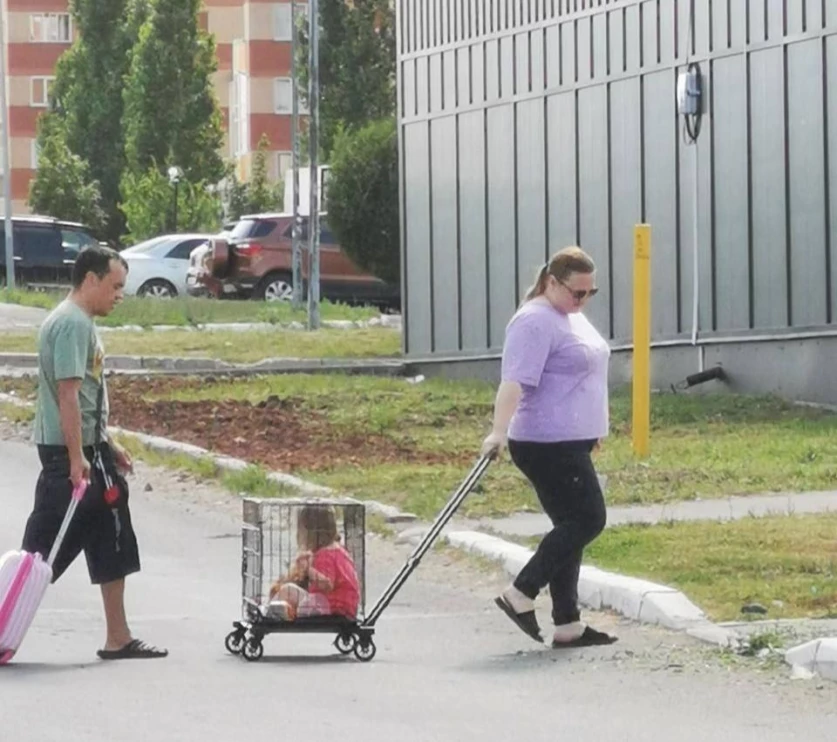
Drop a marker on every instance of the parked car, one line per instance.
(255, 261)
(44, 250)
(197, 264)
(158, 267)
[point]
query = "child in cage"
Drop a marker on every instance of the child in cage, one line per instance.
(323, 580)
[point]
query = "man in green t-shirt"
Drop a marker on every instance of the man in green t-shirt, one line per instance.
(73, 445)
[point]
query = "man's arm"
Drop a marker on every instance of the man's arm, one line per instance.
(69, 411)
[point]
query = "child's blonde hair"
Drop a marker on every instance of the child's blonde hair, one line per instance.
(317, 527)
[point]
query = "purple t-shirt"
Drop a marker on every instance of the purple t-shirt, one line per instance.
(561, 362)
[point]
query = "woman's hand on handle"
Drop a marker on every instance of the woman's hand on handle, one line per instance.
(493, 445)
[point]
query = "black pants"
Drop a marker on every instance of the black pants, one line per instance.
(102, 530)
(568, 489)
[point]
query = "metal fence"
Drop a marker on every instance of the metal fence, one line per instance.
(528, 125)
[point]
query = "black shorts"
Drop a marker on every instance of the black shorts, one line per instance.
(102, 531)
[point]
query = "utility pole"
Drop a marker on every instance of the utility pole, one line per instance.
(7, 155)
(296, 248)
(313, 168)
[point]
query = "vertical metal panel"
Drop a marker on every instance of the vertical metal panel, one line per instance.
(703, 28)
(478, 73)
(617, 46)
(584, 52)
(625, 176)
(807, 207)
(776, 20)
(506, 68)
(568, 73)
(449, 72)
(720, 25)
(531, 187)
(463, 77)
(536, 60)
(432, 21)
(472, 237)
(632, 38)
(738, 24)
(561, 170)
(758, 22)
(813, 15)
(408, 90)
(437, 87)
(831, 74)
(501, 236)
(417, 221)
(660, 188)
(732, 270)
(831, 13)
(648, 22)
(492, 70)
(445, 229)
(444, 16)
(521, 63)
(770, 275)
(422, 103)
(593, 192)
(600, 45)
(553, 56)
(795, 11)
(667, 33)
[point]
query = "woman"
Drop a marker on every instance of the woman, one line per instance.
(552, 409)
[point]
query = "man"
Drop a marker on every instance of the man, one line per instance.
(74, 445)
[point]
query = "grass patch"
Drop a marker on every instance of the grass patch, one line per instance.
(189, 310)
(705, 446)
(785, 563)
(16, 413)
(237, 347)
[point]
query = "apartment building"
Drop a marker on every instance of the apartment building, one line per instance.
(253, 81)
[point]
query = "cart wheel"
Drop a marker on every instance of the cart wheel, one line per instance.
(234, 642)
(365, 650)
(253, 650)
(345, 643)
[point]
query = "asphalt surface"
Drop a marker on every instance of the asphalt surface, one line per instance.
(449, 666)
(15, 317)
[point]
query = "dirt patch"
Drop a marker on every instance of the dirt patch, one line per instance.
(276, 433)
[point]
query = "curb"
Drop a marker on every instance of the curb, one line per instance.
(636, 599)
(817, 656)
(388, 321)
(166, 364)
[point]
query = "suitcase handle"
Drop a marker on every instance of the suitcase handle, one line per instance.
(75, 499)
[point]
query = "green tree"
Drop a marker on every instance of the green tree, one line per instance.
(149, 204)
(363, 197)
(171, 113)
(86, 112)
(357, 66)
(258, 195)
(64, 187)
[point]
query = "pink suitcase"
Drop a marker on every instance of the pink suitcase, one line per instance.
(24, 579)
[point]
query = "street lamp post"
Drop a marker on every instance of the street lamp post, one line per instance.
(175, 174)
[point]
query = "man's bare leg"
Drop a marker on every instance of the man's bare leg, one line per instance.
(118, 633)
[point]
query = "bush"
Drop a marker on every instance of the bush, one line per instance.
(363, 208)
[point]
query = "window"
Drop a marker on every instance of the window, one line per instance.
(183, 250)
(34, 154)
(40, 90)
(283, 93)
(51, 28)
(239, 115)
(249, 228)
(282, 22)
(284, 162)
(73, 241)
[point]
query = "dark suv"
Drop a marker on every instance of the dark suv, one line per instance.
(44, 250)
(255, 260)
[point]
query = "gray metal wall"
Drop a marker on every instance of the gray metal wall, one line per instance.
(528, 125)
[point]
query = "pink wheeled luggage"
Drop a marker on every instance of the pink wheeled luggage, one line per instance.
(24, 578)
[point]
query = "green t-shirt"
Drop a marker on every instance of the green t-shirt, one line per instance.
(69, 347)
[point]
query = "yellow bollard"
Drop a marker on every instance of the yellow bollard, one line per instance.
(641, 398)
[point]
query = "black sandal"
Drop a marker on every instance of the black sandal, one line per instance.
(133, 650)
(590, 638)
(525, 621)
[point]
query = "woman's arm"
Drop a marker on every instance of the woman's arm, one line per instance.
(505, 404)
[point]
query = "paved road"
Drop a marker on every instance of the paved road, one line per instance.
(15, 317)
(449, 666)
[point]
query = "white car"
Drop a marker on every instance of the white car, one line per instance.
(158, 267)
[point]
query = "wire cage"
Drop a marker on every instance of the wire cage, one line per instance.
(270, 542)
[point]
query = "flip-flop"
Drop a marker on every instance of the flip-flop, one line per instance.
(133, 650)
(589, 638)
(525, 621)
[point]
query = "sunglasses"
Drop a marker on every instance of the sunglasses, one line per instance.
(580, 295)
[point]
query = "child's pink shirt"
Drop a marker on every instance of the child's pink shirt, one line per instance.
(336, 564)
